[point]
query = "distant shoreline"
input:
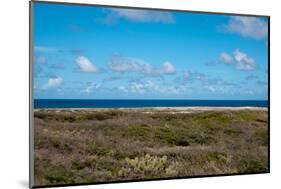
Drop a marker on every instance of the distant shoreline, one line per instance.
(193, 108)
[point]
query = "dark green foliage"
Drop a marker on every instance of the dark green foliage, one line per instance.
(232, 131)
(58, 174)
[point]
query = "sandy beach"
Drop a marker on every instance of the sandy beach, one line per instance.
(190, 109)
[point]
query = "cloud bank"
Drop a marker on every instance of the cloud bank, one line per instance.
(250, 27)
(239, 59)
(123, 65)
(137, 15)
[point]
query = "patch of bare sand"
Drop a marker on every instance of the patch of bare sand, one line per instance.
(150, 110)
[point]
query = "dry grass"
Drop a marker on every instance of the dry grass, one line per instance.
(86, 146)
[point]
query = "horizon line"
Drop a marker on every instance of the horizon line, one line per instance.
(147, 99)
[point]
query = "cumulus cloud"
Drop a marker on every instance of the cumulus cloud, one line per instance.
(250, 27)
(168, 68)
(85, 65)
(239, 59)
(54, 82)
(226, 58)
(149, 70)
(243, 61)
(123, 65)
(91, 86)
(136, 15)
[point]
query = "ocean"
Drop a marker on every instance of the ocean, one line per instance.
(114, 103)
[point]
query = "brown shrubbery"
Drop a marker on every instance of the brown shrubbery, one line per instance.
(108, 145)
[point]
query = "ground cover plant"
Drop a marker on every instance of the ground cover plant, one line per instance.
(98, 145)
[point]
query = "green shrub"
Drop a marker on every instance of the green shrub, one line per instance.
(202, 138)
(58, 174)
(69, 118)
(232, 131)
(214, 116)
(95, 149)
(215, 157)
(251, 166)
(140, 131)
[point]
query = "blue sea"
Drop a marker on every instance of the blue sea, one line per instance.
(87, 103)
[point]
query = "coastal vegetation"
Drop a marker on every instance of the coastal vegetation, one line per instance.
(103, 145)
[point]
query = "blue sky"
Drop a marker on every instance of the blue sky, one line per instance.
(86, 52)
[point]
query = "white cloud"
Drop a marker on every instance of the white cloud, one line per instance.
(203, 83)
(251, 27)
(54, 82)
(226, 58)
(189, 76)
(149, 87)
(239, 59)
(91, 87)
(123, 65)
(177, 90)
(133, 87)
(243, 61)
(149, 70)
(141, 16)
(168, 68)
(123, 88)
(85, 65)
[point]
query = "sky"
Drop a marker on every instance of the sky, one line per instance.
(88, 52)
